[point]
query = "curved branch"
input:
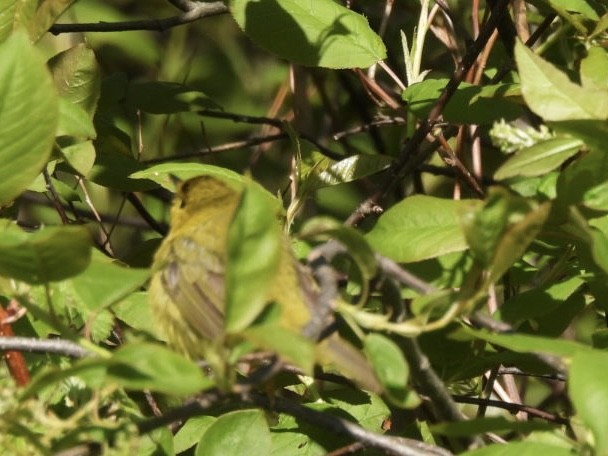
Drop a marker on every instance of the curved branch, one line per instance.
(197, 12)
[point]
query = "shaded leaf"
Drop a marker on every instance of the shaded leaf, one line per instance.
(320, 33)
(550, 93)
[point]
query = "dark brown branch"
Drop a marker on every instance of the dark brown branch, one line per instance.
(411, 147)
(390, 445)
(197, 12)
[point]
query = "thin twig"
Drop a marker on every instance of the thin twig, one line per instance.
(34, 345)
(200, 11)
(512, 407)
(410, 150)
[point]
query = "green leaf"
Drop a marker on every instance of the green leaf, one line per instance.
(327, 172)
(80, 156)
(240, 432)
(320, 33)
(390, 366)
(146, 366)
(582, 7)
(520, 449)
(159, 97)
(469, 104)
(135, 311)
(15, 14)
(162, 173)
(540, 158)
(191, 432)
(50, 254)
(551, 95)
(28, 115)
(105, 283)
(579, 182)
(291, 346)
(77, 77)
(589, 393)
(593, 132)
(420, 227)
(522, 343)
(538, 302)
(367, 409)
(74, 121)
(500, 232)
(594, 69)
(254, 252)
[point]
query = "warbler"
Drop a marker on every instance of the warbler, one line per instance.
(187, 290)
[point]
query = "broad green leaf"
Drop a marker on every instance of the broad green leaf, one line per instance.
(523, 343)
(390, 366)
(367, 409)
(551, 95)
(158, 97)
(594, 69)
(500, 232)
(239, 432)
(540, 158)
(291, 437)
(191, 432)
(50, 254)
(254, 252)
(589, 393)
(594, 133)
(328, 172)
(291, 346)
(28, 116)
(520, 449)
(105, 283)
(74, 121)
(420, 227)
(322, 33)
(581, 7)
(80, 156)
(146, 366)
(15, 14)
(135, 311)
(469, 104)
(482, 425)
(77, 77)
(162, 174)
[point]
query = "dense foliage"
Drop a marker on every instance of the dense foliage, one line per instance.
(455, 151)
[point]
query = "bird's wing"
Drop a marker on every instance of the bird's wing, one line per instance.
(194, 278)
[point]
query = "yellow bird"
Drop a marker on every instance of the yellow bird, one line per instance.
(187, 290)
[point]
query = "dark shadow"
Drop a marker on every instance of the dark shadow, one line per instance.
(265, 15)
